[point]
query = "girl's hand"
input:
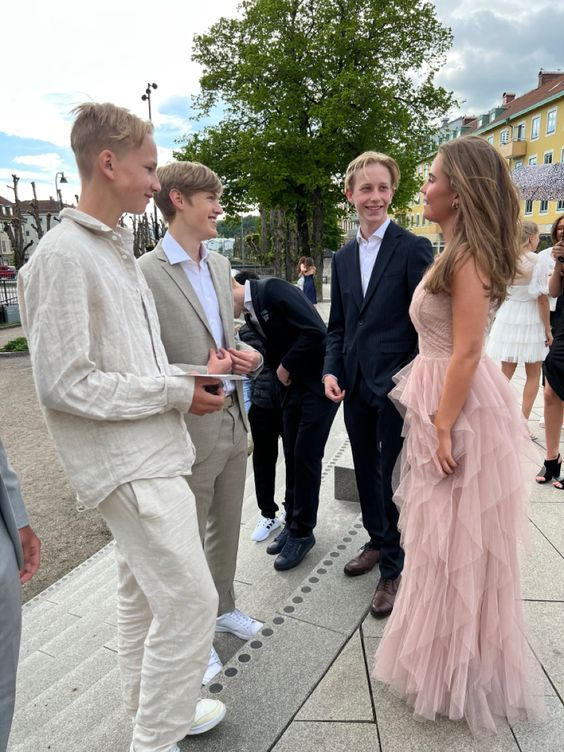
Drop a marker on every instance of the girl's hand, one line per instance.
(548, 338)
(444, 452)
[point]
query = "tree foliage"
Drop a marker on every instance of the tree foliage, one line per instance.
(307, 85)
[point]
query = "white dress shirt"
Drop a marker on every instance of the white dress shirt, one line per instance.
(542, 271)
(198, 274)
(368, 252)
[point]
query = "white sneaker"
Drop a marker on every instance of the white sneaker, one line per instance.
(263, 528)
(282, 515)
(239, 624)
(214, 667)
(208, 714)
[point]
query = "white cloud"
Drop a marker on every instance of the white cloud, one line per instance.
(51, 161)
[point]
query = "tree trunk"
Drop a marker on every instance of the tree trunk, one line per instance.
(303, 231)
(277, 233)
(317, 239)
(263, 232)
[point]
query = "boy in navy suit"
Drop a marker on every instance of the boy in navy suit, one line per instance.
(370, 337)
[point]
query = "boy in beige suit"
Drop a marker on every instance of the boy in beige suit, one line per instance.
(192, 290)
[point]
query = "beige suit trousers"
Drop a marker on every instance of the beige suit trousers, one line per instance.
(167, 606)
(218, 483)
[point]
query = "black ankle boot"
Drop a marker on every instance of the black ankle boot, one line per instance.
(550, 470)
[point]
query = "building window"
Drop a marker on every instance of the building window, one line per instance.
(504, 136)
(519, 132)
(560, 206)
(547, 159)
(533, 159)
(490, 140)
(518, 163)
(551, 122)
(535, 127)
(543, 207)
(528, 207)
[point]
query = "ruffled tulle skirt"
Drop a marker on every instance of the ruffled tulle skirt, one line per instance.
(517, 334)
(454, 644)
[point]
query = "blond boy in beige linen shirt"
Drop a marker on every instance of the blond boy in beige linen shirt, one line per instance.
(114, 405)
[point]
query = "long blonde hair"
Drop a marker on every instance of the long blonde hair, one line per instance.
(487, 225)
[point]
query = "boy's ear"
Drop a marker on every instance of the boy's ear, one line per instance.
(176, 198)
(106, 163)
(349, 194)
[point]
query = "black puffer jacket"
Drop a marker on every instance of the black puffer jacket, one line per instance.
(267, 391)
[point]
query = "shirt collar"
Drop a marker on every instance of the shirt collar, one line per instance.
(248, 298)
(94, 225)
(378, 233)
(176, 254)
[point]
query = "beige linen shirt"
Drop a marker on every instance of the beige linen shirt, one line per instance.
(111, 400)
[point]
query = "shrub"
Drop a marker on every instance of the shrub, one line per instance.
(16, 345)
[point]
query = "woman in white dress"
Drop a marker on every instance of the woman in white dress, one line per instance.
(521, 332)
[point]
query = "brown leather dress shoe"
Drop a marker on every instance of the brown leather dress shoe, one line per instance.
(384, 597)
(364, 562)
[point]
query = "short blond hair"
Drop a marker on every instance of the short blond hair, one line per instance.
(104, 126)
(188, 178)
(528, 230)
(367, 158)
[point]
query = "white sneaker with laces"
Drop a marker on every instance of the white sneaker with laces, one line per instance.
(236, 622)
(214, 667)
(263, 528)
(208, 714)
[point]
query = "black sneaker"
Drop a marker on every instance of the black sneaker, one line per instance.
(293, 552)
(278, 543)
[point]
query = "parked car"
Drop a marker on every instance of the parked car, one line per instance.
(7, 272)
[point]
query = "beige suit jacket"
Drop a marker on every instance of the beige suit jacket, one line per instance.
(186, 333)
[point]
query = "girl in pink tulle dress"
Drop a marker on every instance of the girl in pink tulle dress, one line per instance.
(454, 644)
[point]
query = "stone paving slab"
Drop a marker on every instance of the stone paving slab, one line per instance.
(333, 736)
(330, 599)
(546, 626)
(549, 519)
(542, 573)
(399, 731)
(270, 683)
(61, 694)
(77, 728)
(343, 694)
(547, 736)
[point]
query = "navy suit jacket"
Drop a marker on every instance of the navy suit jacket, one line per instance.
(372, 336)
(294, 332)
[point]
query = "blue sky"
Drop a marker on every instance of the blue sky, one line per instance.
(498, 47)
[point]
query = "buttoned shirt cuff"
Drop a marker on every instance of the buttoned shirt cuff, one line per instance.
(328, 374)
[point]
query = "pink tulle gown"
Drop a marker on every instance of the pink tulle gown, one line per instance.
(454, 644)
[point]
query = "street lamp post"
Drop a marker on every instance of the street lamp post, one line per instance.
(58, 181)
(146, 97)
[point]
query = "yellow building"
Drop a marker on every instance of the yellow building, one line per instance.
(527, 130)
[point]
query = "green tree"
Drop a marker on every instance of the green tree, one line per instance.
(306, 85)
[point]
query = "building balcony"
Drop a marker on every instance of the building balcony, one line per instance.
(514, 149)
